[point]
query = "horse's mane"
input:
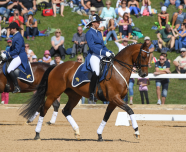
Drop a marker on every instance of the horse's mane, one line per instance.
(127, 47)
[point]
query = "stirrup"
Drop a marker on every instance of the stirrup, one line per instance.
(16, 89)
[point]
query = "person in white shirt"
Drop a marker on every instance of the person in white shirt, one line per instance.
(123, 9)
(124, 43)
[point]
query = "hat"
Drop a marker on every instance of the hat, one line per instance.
(183, 50)
(47, 52)
(57, 55)
(93, 9)
(167, 26)
(9, 40)
(34, 57)
(30, 13)
(14, 25)
(94, 18)
(164, 8)
(146, 38)
(163, 52)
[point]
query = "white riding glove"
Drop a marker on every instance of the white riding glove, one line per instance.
(3, 55)
(108, 54)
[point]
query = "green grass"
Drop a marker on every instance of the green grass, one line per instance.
(69, 24)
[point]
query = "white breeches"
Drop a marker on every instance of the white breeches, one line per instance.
(14, 64)
(94, 63)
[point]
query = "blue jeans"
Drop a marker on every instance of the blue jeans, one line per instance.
(109, 34)
(136, 10)
(75, 2)
(165, 84)
(105, 102)
(4, 11)
(32, 31)
(167, 3)
(179, 44)
(82, 8)
(83, 100)
(131, 92)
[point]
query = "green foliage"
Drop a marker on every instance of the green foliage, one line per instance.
(69, 24)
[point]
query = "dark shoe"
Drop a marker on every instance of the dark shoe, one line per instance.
(137, 16)
(171, 50)
(84, 55)
(150, 14)
(159, 50)
(72, 56)
(141, 15)
(92, 88)
(14, 79)
(63, 57)
(177, 51)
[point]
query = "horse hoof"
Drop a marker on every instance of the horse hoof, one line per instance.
(137, 136)
(48, 123)
(28, 122)
(77, 134)
(100, 138)
(37, 137)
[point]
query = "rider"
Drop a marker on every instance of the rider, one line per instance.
(17, 53)
(97, 50)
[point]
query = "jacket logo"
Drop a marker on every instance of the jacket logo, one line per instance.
(28, 76)
(77, 79)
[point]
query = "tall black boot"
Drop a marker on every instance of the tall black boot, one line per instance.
(14, 79)
(93, 87)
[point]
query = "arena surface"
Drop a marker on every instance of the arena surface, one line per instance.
(155, 136)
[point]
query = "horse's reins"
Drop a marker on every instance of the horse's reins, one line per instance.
(126, 65)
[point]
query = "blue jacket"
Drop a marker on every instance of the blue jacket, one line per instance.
(18, 49)
(96, 46)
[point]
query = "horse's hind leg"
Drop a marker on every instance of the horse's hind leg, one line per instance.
(72, 102)
(108, 112)
(43, 112)
(119, 102)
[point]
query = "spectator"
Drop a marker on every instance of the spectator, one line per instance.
(162, 67)
(133, 5)
(57, 60)
(19, 20)
(172, 2)
(31, 26)
(4, 10)
(181, 41)
(151, 49)
(84, 7)
(80, 43)
(163, 17)
(12, 5)
(143, 89)
(98, 4)
(72, 2)
(107, 14)
(47, 57)
(118, 5)
(57, 42)
(29, 52)
(178, 17)
(164, 53)
(27, 5)
(123, 9)
(146, 4)
(58, 2)
(9, 41)
(40, 60)
(80, 59)
(124, 43)
(111, 31)
(4, 97)
(125, 27)
(34, 58)
(166, 38)
(180, 62)
(0, 29)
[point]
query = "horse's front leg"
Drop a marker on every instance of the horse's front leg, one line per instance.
(108, 112)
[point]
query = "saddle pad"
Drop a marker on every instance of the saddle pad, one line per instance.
(27, 75)
(82, 76)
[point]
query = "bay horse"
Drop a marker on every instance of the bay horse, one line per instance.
(38, 69)
(57, 80)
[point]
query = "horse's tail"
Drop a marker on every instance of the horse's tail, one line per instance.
(37, 99)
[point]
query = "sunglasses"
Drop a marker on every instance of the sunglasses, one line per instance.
(124, 3)
(162, 59)
(79, 59)
(58, 32)
(79, 30)
(107, 4)
(182, 51)
(26, 46)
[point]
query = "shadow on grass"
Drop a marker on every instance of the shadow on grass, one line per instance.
(82, 140)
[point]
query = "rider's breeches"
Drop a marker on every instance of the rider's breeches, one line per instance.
(14, 64)
(94, 63)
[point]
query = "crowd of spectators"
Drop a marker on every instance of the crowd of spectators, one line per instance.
(117, 26)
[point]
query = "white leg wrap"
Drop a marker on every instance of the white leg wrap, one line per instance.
(39, 124)
(33, 117)
(133, 120)
(101, 127)
(72, 122)
(54, 116)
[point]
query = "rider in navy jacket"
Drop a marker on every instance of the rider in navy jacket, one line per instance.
(17, 53)
(97, 50)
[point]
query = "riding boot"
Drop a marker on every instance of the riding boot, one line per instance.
(93, 87)
(14, 79)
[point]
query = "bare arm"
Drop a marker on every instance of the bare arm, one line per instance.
(165, 71)
(52, 42)
(2, 3)
(126, 39)
(22, 5)
(82, 3)
(176, 63)
(61, 43)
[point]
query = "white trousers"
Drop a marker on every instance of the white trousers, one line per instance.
(14, 64)
(94, 63)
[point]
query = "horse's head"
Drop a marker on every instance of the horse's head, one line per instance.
(141, 58)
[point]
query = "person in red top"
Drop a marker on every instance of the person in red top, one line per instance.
(18, 19)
